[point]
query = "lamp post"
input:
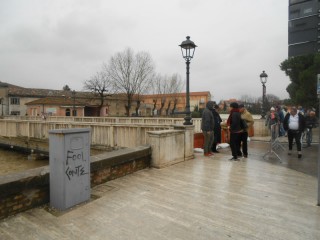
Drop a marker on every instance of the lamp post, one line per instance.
(263, 79)
(74, 103)
(1, 106)
(187, 49)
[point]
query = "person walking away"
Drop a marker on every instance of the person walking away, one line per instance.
(271, 119)
(311, 122)
(217, 128)
(207, 126)
(247, 117)
(294, 123)
(234, 125)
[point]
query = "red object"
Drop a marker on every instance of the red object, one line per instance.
(225, 136)
(208, 154)
(198, 140)
(251, 131)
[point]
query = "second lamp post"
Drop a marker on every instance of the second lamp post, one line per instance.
(187, 48)
(263, 79)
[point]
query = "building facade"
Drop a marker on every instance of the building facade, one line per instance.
(16, 100)
(303, 27)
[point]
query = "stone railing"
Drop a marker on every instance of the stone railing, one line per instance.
(259, 129)
(113, 135)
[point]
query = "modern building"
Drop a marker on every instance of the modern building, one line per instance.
(303, 27)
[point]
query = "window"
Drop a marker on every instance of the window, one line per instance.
(15, 101)
(68, 112)
(15, 112)
(291, 2)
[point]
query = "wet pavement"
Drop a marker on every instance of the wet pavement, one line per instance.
(204, 198)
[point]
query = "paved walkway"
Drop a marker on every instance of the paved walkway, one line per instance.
(204, 198)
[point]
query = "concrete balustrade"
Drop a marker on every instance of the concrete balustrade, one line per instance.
(259, 128)
(113, 135)
(122, 132)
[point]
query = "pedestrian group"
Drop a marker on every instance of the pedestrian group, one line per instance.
(292, 124)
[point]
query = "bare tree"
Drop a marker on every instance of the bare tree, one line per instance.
(155, 91)
(166, 91)
(131, 74)
(100, 85)
(66, 88)
(175, 87)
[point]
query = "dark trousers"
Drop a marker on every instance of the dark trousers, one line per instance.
(235, 139)
(244, 142)
(296, 135)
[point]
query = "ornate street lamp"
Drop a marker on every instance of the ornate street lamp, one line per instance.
(74, 113)
(263, 79)
(187, 49)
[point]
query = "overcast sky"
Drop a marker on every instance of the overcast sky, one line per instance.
(51, 43)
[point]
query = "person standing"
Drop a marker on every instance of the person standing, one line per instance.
(294, 123)
(234, 125)
(272, 119)
(281, 118)
(207, 127)
(217, 128)
(311, 122)
(246, 116)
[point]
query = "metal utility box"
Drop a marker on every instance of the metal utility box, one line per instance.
(69, 161)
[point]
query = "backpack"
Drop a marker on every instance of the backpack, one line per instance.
(243, 124)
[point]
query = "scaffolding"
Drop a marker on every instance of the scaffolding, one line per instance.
(274, 141)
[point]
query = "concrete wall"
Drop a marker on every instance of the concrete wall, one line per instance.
(25, 190)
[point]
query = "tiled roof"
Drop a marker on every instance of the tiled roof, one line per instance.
(56, 101)
(4, 84)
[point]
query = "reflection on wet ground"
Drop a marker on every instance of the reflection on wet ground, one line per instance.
(307, 164)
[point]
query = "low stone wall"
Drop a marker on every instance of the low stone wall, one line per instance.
(171, 146)
(29, 189)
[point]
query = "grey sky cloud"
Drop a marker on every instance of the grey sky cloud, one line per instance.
(47, 44)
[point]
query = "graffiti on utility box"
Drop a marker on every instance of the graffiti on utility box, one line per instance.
(75, 166)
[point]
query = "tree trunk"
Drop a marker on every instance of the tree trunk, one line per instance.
(168, 108)
(154, 106)
(137, 108)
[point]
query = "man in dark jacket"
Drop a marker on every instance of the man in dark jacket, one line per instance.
(234, 123)
(207, 126)
(295, 124)
(217, 128)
